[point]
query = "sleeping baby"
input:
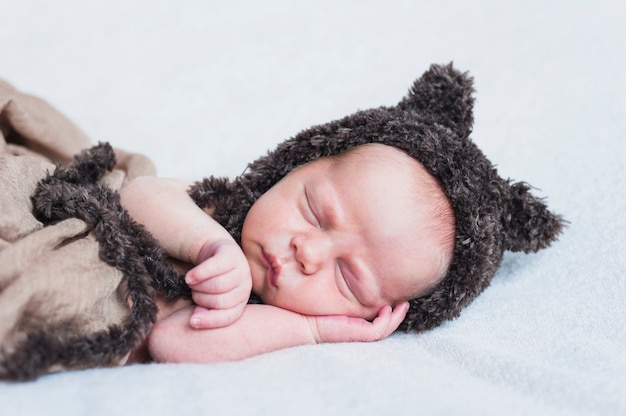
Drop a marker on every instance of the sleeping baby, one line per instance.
(323, 255)
(389, 218)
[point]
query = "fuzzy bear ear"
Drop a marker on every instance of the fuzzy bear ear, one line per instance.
(444, 95)
(528, 224)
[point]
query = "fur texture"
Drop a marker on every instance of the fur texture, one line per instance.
(432, 124)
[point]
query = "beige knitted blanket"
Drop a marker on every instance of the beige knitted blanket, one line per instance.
(52, 280)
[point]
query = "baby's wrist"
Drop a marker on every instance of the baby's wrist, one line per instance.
(209, 248)
(313, 330)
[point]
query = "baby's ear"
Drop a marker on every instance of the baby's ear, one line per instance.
(445, 96)
(528, 224)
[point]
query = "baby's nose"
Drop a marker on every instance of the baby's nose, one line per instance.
(311, 252)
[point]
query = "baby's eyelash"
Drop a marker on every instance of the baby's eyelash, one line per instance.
(314, 218)
(344, 278)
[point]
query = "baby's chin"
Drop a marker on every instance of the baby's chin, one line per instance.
(270, 300)
(261, 293)
(258, 284)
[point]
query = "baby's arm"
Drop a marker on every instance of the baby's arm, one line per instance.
(261, 329)
(221, 281)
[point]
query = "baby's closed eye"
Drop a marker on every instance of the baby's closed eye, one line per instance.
(309, 210)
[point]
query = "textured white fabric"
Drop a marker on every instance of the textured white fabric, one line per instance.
(207, 86)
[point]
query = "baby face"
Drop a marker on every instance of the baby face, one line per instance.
(342, 236)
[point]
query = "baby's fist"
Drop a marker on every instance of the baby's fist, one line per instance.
(220, 284)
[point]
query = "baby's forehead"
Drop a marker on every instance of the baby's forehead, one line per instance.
(380, 162)
(385, 159)
(423, 191)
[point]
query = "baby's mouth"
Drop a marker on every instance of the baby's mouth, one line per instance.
(273, 268)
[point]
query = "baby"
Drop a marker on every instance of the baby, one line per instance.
(390, 218)
(330, 261)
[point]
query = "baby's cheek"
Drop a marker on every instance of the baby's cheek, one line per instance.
(257, 280)
(283, 298)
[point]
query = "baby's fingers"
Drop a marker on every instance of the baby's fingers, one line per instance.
(203, 318)
(341, 328)
(397, 316)
(213, 267)
(215, 285)
(221, 300)
(218, 310)
(388, 321)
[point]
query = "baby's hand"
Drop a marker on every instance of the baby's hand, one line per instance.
(220, 285)
(348, 329)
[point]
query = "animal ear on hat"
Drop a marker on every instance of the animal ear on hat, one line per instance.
(443, 95)
(528, 224)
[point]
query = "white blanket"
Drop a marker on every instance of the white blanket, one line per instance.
(230, 80)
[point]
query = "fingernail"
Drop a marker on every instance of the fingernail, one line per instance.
(195, 321)
(188, 279)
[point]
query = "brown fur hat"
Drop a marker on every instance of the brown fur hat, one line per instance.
(432, 124)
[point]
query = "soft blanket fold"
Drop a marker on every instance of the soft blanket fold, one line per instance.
(78, 276)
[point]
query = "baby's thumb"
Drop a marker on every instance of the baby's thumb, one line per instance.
(199, 318)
